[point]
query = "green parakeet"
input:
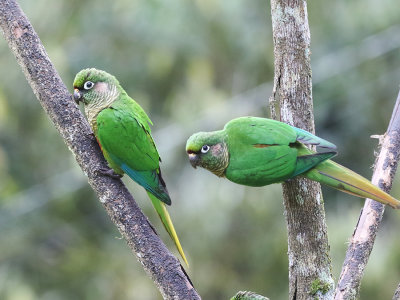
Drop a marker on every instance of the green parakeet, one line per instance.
(256, 152)
(122, 130)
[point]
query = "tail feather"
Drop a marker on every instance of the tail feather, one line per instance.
(167, 222)
(345, 180)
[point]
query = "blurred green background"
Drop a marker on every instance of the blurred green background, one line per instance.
(193, 65)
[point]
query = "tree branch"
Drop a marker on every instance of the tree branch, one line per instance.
(51, 92)
(363, 238)
(308, 248)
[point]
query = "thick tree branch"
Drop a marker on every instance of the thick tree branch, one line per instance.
(363, 238)
(308, 248)
(48, 87)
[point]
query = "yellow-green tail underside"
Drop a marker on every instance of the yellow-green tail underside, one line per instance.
(167, 222)
(341, 178)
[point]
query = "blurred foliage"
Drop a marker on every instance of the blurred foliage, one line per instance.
(193, 65)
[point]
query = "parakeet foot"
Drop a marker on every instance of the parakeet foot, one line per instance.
(108, 172)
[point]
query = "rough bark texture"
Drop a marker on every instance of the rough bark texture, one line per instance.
(363, 238)
(159, 263)
(308, 248)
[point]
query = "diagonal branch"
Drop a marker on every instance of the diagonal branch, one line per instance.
(158, 262)
(363, 238)
(308, 248)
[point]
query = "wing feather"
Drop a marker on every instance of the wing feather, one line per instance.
(134, 152)
(135, 146)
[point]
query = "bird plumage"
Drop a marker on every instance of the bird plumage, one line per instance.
(259, 151)
(122, 129)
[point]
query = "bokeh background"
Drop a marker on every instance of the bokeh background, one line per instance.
(193, 65)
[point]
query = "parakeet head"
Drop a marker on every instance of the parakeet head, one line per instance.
(92, 86)
(97, 90)
(208, 150)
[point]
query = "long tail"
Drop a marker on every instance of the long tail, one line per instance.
(166, 220)
(345, 180)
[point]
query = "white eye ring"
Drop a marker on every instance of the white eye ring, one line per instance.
(205, 149)
(88, 85)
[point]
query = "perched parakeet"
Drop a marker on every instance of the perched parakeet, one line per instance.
(122, 130)
(256, 152)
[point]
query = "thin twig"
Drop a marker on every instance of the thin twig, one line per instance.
(363, 238)
(51, 92)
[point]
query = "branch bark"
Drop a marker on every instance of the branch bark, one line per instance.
(308, 248)
(158, 262)
(363, 238)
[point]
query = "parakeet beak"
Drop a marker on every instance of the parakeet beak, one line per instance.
(193, 158)
(77, 96)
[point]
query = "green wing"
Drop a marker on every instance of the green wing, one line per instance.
(135, 146)
(259, 151)
(134, 152)
(272, 151)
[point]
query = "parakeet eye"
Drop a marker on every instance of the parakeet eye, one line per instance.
(88, 85)
(205, 149)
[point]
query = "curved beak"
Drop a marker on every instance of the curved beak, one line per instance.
(77, 96)
(193, 158)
